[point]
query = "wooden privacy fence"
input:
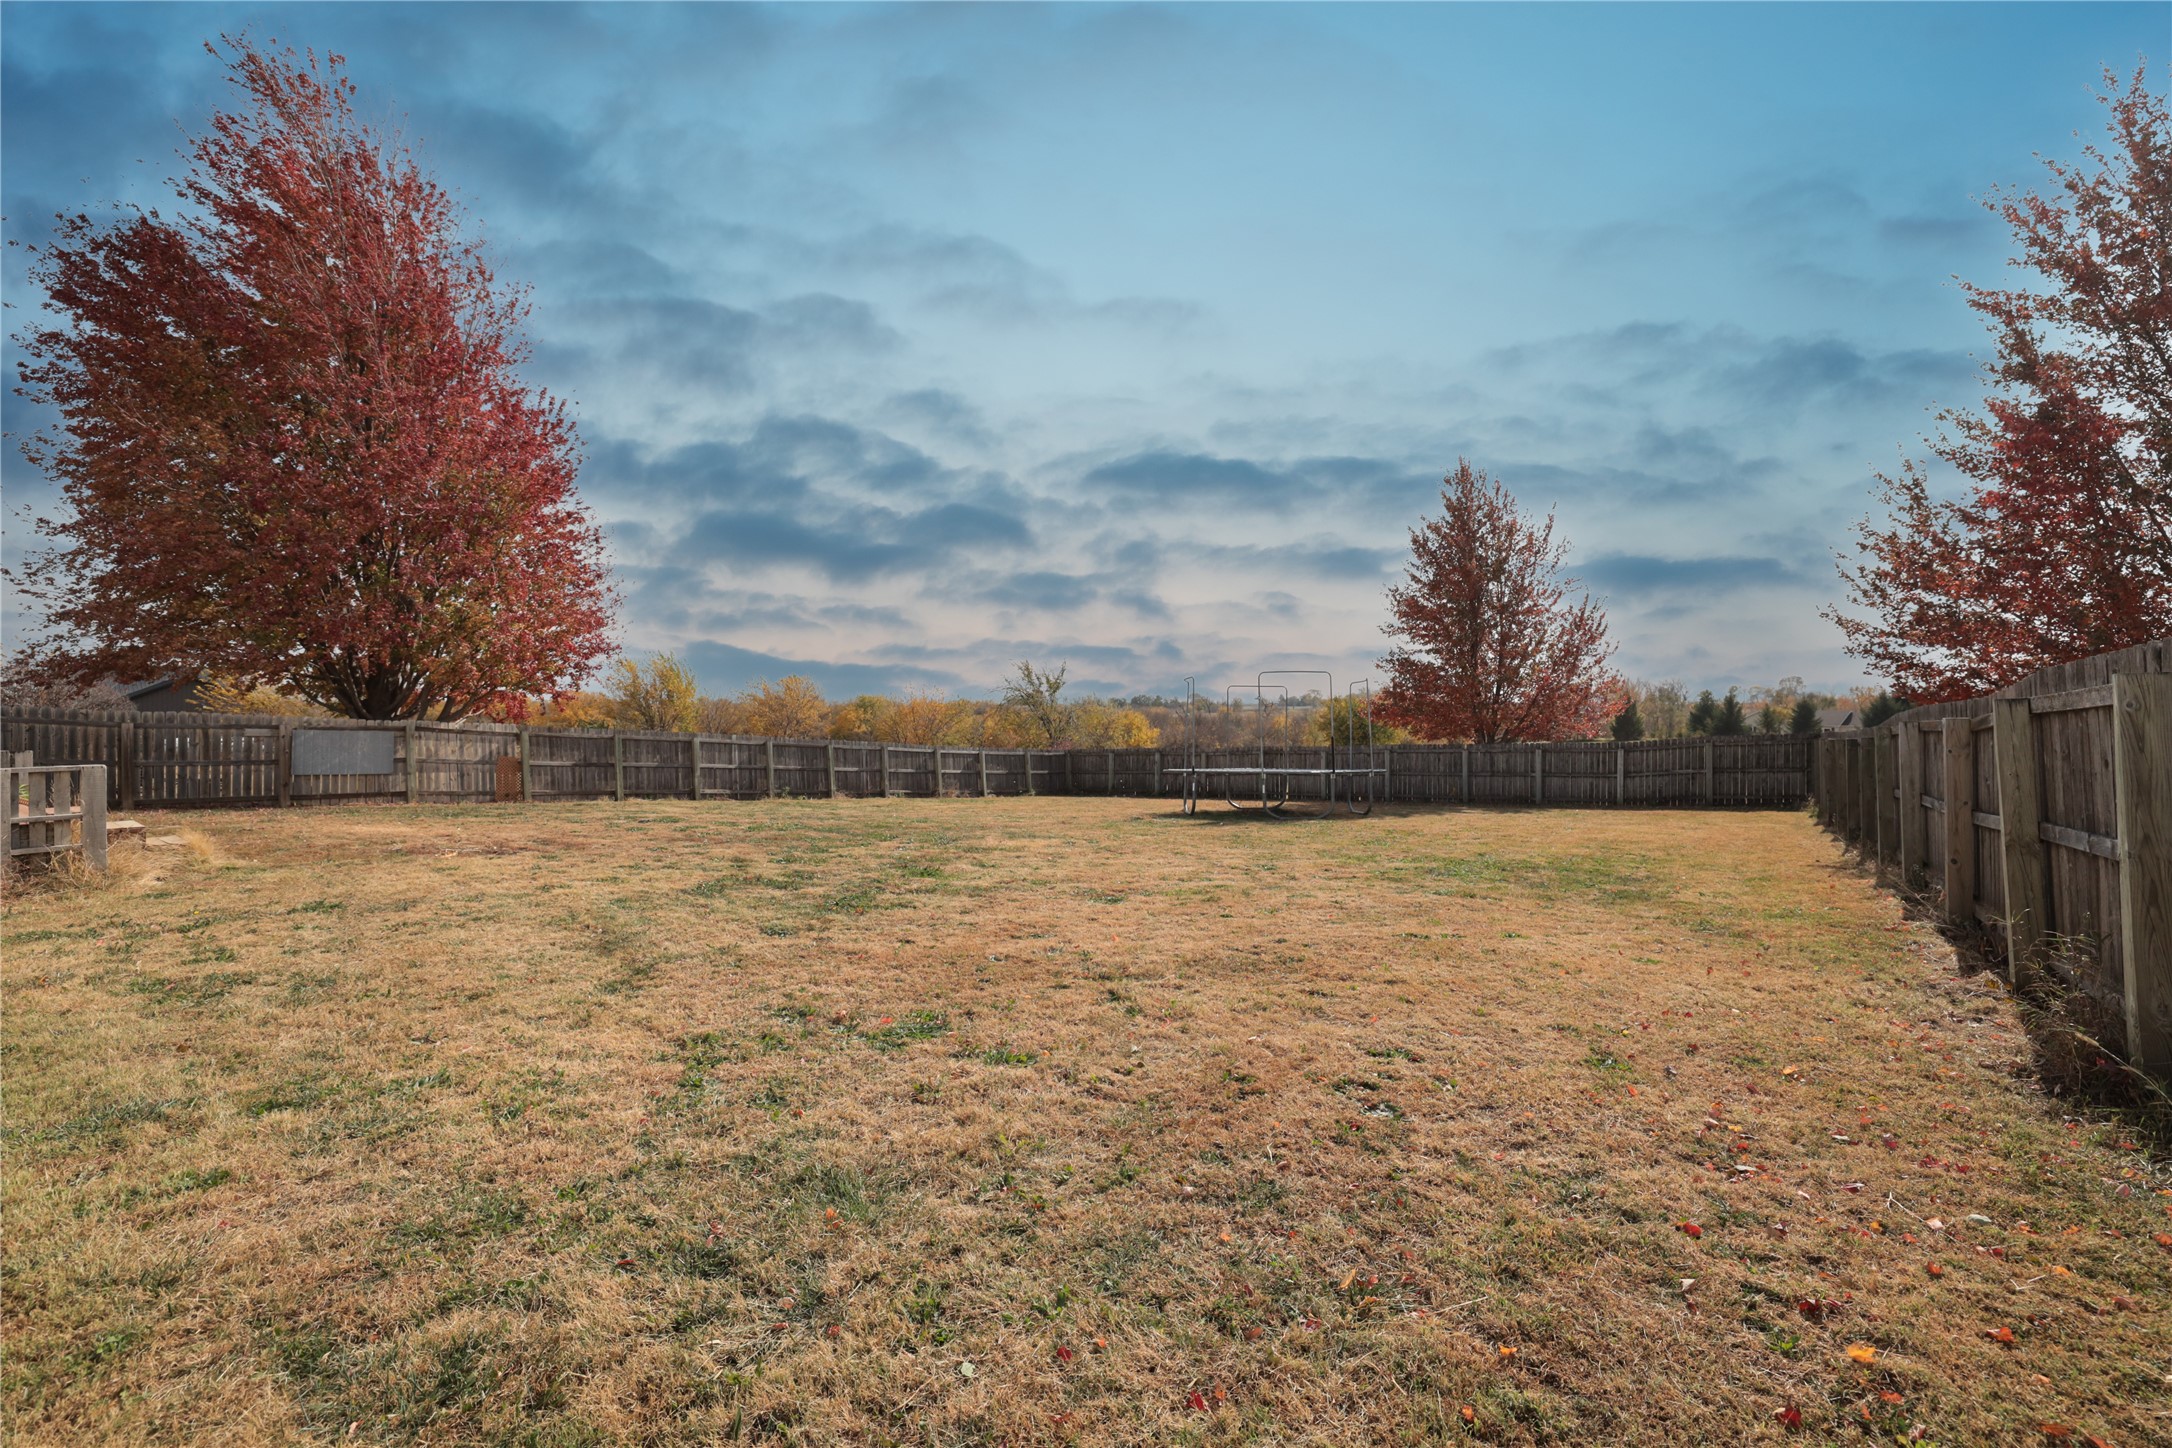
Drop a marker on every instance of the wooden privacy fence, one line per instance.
(2043, 812)
(191, 760)
(55, 808)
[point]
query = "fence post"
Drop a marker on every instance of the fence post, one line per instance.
(1708, 771)
(1957, 786)
(983, 774)
(286, 762)
(1538, 774)
(94, 815)
(618, 765)
(885, 773)
(1621, 774)
(2142, 787)
(414, 773)
(527, 771)
(2021, 849)
(1866, 797)
(127, 764)
(769, 768)
(1110, 756)
(1464, 797)
(1881, 796)
(1157, 774)
(829, 766)
(1908, 739)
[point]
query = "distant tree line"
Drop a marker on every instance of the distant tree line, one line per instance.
(660, 692)
(1665, 710)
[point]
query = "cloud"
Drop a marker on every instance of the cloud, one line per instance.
(1647, 579)
(945, 412)
(725, 668)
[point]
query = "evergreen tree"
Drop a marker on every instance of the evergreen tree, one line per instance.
(1806, 718)
(1728, 718)
(1627, 725)
(1702, 713)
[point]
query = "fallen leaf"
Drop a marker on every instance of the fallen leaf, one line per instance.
(1692, 1229)
(1934, 1269)
(1198, 1400)
(1789, 1416)
(1470, 1414)
(1862, 1352)
(1999, 1334)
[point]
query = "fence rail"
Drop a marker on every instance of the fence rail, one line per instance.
(179, 761)
(2042, 812)
(56, 808)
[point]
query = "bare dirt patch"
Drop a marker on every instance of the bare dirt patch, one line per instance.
(1040, 1121)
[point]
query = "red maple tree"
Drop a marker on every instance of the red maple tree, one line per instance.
(1492, 648)
(2062, 546)
(293, 444)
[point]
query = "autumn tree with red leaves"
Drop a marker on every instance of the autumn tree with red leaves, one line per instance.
(2062, 546)
(1492, 649)
(293, 444)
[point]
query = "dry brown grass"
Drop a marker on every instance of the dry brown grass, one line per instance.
(1040, 1121)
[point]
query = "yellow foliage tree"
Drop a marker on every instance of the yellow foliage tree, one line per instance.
(791, 708)
(1096, 725)
(659, 694)
(223, 694)
(582, 710)
(928, 719)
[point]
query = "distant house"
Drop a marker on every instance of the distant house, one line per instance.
(174, 694)
(1836, 719)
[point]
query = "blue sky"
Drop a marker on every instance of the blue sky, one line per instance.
(911, 341)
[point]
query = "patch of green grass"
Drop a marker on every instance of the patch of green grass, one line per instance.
(298, 1094)
(919, 1026)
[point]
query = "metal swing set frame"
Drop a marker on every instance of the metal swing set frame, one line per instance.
(1351, 772)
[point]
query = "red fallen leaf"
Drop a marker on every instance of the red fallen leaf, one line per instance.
(1934, 1269)
(1059, 1419)
(1470, 1414)
(1198, 1400)
(1253, 1334)
(1889, 1396)
(1789, 1416)
(2163, 1240)
(833, 1330)
(1692, 1229)
(1064, 1354)
(1999, 1334)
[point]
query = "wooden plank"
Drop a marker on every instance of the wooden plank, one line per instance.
(983, 774)
(1621, 774)
(1463, 795)
(829, 767)
(1883, 823)
(886, 771)
(2142, 779)
(2021, 847)
(769, 766)
(1909, 738)
(94, 816)
(1538, 774)
(2104, 847)
(126, 763)
(527, 767)
(1957, 832)
(286, 763)
(414, 771)
(2096, 696)
(618, 765)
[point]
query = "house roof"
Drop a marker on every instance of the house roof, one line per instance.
(1836, 718)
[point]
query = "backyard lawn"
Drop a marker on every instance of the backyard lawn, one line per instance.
(1041, 1121)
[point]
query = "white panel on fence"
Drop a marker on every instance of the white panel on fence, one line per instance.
(343, 751)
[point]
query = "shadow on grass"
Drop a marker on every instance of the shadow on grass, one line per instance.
(2070, 1033)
